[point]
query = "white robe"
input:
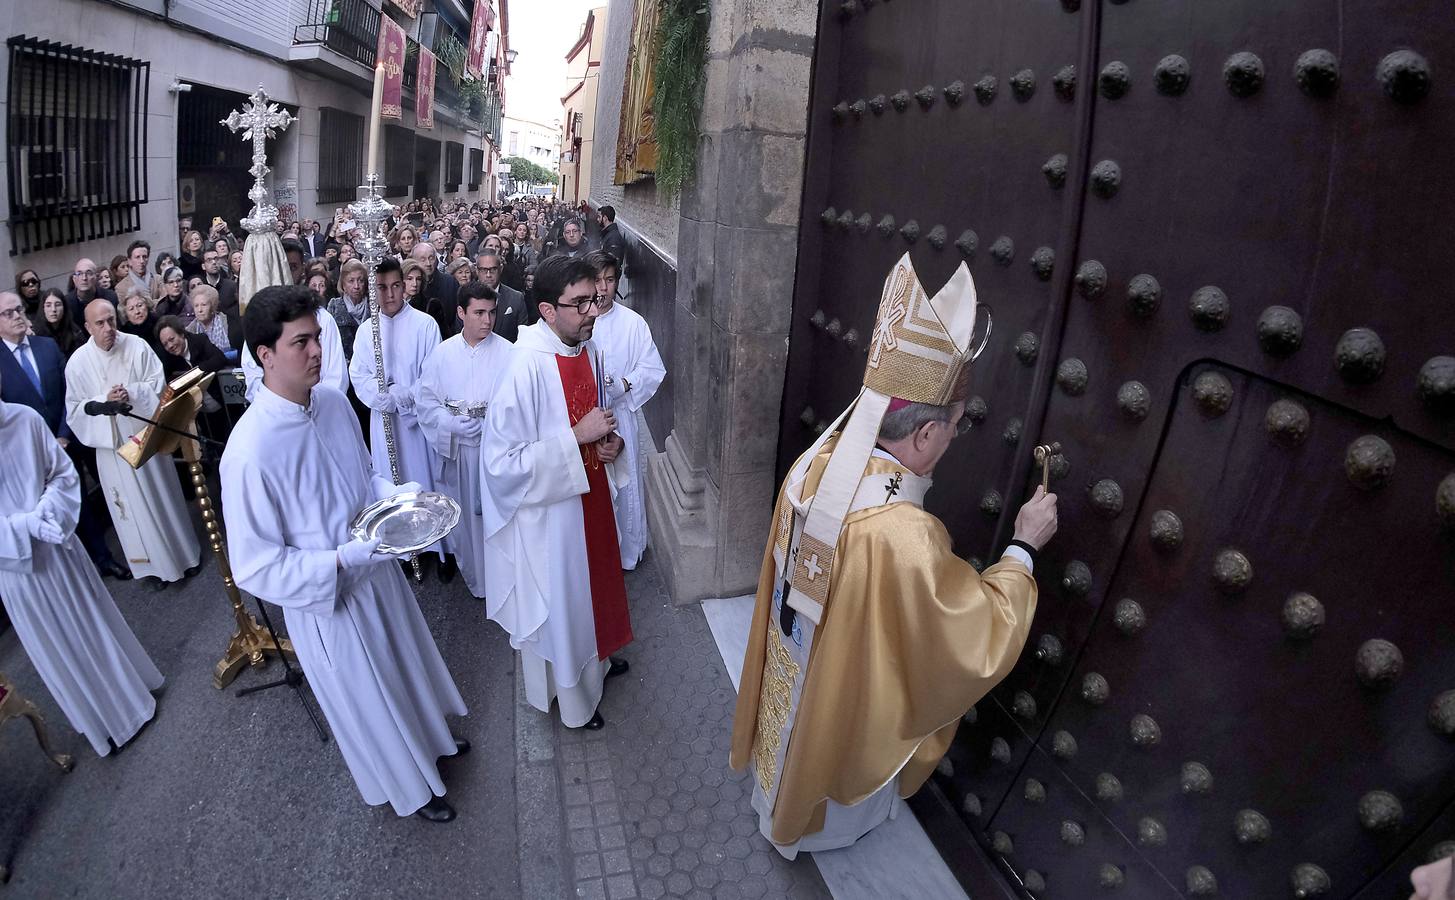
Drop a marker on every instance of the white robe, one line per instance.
(538, 586)
(292, 480)
(86, 654)
(629, 355)
(335, 372)
(409, 338)
(146, 504)
(457, 371)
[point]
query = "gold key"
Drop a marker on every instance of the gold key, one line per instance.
(1043, 454)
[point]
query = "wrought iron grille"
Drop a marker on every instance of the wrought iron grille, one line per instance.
(347, 27)
(454, 166)
(340, 155)
(76, 144)
(477, 168)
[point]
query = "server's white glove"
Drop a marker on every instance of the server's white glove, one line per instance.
(361, 553)
(43, 529)
(403, 397)
(384, 488)
(467, 427)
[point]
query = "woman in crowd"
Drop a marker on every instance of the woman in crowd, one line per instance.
(103, 278)
(174, 301)
(351, 307)
(54, 321)
(161, 264)
(234, 264)
(415, 279)
(181, 352)
(404, 240)
(224, 333)
(137, 318)
(223, 248)
(191, 258)
(27, 285)
(462, 270)
(458, 250)
(322, 286)
(192, 282)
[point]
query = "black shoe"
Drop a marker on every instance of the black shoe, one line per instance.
(155, 583)
(114, 569)
(447, 570)
(596, 723)
(436, 810)
(618, 667)
(188, 573)
(462, 746)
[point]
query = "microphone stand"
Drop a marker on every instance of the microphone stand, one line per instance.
(291, 677)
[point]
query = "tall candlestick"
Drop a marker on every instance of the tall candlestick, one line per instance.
(376, 116)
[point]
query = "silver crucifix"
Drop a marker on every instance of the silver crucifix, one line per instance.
(259, 119)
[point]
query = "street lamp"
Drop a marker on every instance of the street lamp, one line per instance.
(510, 56)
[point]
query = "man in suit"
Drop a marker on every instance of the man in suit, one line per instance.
(33, 373)
(313, 240)
(214, 275)
(510, 312)
(438, 286)
(84, 289)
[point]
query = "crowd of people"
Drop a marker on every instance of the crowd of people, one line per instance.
(512, 381)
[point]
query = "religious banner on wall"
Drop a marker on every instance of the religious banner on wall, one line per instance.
(480, 25)
(636, 141)
(424, 90)
(410, 8)
(391, 55)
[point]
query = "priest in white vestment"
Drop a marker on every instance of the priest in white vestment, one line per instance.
(294, 475)
(633, 371)
(86, 654)
(554, 579)
(146, 504)
(409, 336)
(335, 372)
(463, 372)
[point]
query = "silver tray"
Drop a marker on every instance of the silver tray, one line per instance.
(406, 523)
(462, 408)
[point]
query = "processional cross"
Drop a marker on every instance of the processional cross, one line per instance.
(259, 119)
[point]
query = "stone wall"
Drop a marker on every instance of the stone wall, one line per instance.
(636, 204)
(712, 489)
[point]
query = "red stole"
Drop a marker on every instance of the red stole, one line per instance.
(603, 553)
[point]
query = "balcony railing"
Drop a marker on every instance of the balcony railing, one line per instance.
(347, 27)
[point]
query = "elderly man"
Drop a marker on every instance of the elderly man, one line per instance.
(88, 657)
(870, 638)
(573, 240)
(438, 287)
(214, 275)
(510, 313)
(85, 288)
(146, 504)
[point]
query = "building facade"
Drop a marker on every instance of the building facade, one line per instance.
(537, 142)
(578, 108)
(113, 116)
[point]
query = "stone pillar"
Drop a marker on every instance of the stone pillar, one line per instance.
(712, 491)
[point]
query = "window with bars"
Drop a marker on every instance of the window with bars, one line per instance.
(398, 160)
(454, 166)
(76, 144)
(477, 168)
(340, 155)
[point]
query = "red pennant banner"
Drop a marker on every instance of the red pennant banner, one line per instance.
(391, 56)
(424, 90)
(480, 25)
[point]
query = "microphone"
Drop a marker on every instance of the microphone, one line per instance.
(106, 408)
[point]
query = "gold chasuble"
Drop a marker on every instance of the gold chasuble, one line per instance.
(892, 636)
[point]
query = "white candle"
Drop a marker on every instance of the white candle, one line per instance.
(376, 116)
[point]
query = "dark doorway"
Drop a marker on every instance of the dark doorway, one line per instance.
(212, 162)
(426, 168)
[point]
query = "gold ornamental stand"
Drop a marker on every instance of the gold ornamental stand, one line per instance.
(180, 402)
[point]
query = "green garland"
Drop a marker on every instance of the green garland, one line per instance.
(679, 78)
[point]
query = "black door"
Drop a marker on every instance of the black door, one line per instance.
(1214, 238)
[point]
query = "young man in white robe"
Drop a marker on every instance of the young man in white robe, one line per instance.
(335, 371)
(146, 504)
(464, 371)
(294, 475)
(633, 372)
(86, 654)
(554, 579)
(409, 336)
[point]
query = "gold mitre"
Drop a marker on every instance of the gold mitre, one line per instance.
(920, 352)
(921, 348)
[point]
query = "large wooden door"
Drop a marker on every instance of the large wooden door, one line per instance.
(1215, 238)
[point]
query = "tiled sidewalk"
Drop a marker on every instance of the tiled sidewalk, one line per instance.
(651, 808)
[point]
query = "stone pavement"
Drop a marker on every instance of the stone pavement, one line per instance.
(231, 797)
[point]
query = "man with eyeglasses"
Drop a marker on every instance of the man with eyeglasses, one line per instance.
(214, 273)
(511, 313)
(870, 637)
(554, 581)
(85, 288)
